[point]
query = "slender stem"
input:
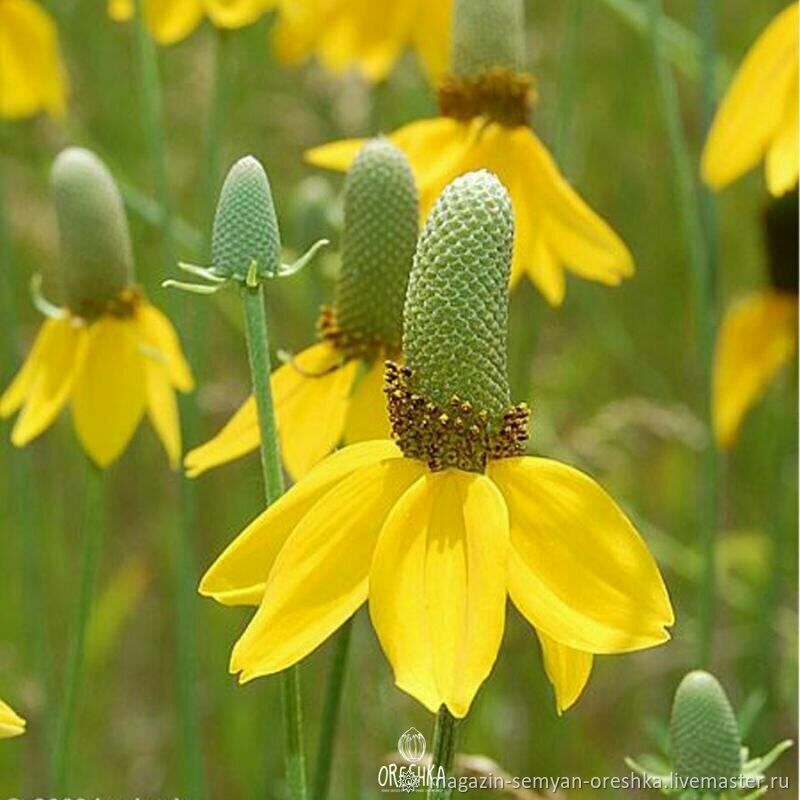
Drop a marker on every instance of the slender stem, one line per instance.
(92, 533)
(258, 353)
(191, 759)
(697, 222)
(331, 712)
(443, 753)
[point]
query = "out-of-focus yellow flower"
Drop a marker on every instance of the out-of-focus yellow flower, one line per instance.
(32, 77)
(758, 117)
(170, 21)
(365, 34)
(11, 723)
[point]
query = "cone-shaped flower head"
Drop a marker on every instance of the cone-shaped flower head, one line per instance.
(484, 121)
(704, 735)
(109, 353)
(245, 225)
(439, 526)
(96, 268)
(338, 382)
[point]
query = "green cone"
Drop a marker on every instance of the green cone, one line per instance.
(704, 735)
(456, 313)
(245, 225)
(488, 35)
(381, 223)
(95, 243)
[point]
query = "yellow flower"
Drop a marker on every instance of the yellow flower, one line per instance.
(758, 336)
(111, 370)
(436, 529)
(11, 723)
(32, 78)
(757, 118)
(170, 21)
(362, 33)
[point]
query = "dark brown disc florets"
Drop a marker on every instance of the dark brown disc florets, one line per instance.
(498, 94)
(351, 344)
(122, 306)
(456, 435)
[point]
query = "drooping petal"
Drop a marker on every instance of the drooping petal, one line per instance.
(567, 669)
(367, 415)
(756, 339)
(312, 394)
(578, 570)
(58, 354)
(754, 105)
(320, 576)
(31, 75)
(432, 38)
(162, 409)
(784, 152)
(170, 22)
(239, 575)
(157, 332)
(437, 587)
(11, 723)
(337, 156)
(108, 397)
(233, 14)
(121, 10)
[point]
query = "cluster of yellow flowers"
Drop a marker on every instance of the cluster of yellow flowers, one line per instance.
(371, 517)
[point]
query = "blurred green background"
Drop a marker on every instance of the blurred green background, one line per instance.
(615, 389)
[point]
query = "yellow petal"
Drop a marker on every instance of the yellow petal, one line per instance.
(108, 398)
(31, 75)
(239, 575)
(170, 22)
(754, 106)
(11, 723)
(121, 10)
(336, 156)
(438, 587)
(578, 570)
(162, 409)
(567, 669)
(236, 13)
(312, 394)
(367, 414)
(239, 436)
(57, 358)
(783, 153)
(320, 576)
(756, 339)
(432, 38)
(156, 331)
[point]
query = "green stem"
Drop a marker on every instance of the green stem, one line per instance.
(331, 711)
(191, 759)
(697, 226)
(444, 752)
(92, 533)
(255, 321)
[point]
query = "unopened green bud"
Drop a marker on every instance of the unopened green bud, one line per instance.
(245, 226)
(704, 735)
(488, 35)
(95, 243)
(456, 313)
(381, 224)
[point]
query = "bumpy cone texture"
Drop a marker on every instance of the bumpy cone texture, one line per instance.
(245, 225)
(381, 213)
(488, 35)
(95, 243)
(456, 313)
(704, 735)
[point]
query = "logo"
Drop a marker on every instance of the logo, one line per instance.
(411, 745)
(415, 773)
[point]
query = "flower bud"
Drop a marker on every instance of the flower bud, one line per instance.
(488, 35)
(704, 735)
(95, 243)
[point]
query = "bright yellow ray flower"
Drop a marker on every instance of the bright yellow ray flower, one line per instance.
(109, 354)
(362, 33)
(436, 529)
(757, 118)
(32, 78)
(333, 391)
(11, 723)
(759, 334)
(170, 21)
(484, 123)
